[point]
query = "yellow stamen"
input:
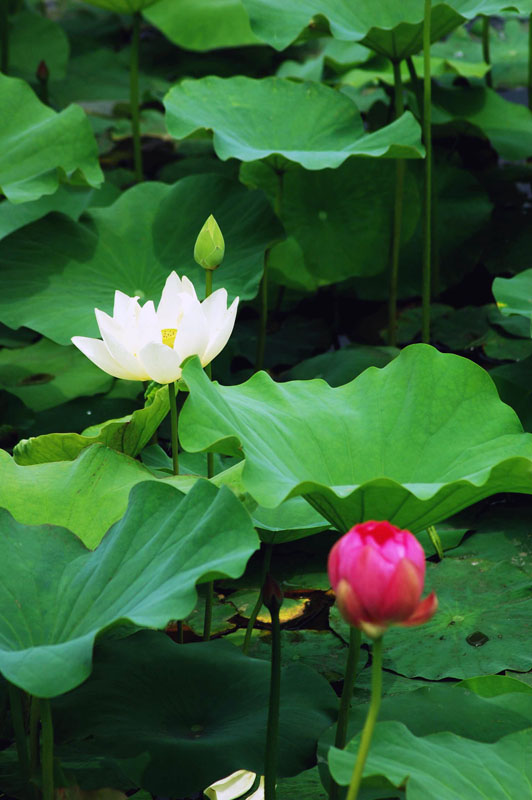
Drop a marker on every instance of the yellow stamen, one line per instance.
(169, 335)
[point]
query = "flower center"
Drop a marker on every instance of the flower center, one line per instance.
(169, 335)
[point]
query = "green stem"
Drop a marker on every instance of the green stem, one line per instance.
(268, 549)
(345, 700)
(134, 95)
(272, 730)
(47, 750)
(427, 135)
(416, 83)
(173, 427)
(207, 622)
(17, 720)
(34, 738)
(397, 216)
(530, 62)
(263, 321)
(436, 541)
(486, 48)
(4, 36)
(371, 719)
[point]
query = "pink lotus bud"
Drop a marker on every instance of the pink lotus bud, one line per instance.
(377, 572)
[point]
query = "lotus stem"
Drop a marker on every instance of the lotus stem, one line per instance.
(34, 735)
(486, 48)
(268, 549)
(345, 700)
(134, 95)
(530, 62)
(263, 319)
(272, 730)
(47, 750)
(436, 541)
(207, 623)
(427, 210)
(17, 720)
(397, 215)
(173, 426)
(371, 719)
(4, 35)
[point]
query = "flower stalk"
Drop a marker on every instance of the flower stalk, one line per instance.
(268, 550)
(17, 720)
(427, 206)
(47, 750)
(530, 62)
(371, 719)
(397, 215)
(486, 48)
(207, 623)
(345, 701)
(134, 95)
(273, 600)
(173, 427)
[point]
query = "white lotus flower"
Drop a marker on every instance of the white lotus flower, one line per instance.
(234, 786)
(140, 343)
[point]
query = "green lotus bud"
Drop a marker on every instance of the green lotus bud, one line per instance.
(210, 246)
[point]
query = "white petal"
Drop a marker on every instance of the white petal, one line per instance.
(215, 307)
(148, 328)
(160, 362)
(192, 333)
(120, 348)
(187, 287)
(170, 303)
(220, 337)
(124, 308)
(98, 353)
(234, 786)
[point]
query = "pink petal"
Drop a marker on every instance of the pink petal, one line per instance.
(424, 611)
(402, 594)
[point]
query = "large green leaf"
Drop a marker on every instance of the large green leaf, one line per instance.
(57, 596)
(122, 6)
(86, 495)
(514, 295)
(202, 24)
(477, 109)
(129, 435)
(38, 147)
(391, 28)
(46, 374)
(200, 711)
(131, 245)
(413, 442)
(442, 766)
(308, 123)
(25, 30)
(341, 219)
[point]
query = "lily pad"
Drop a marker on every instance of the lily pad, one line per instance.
(57, 595)
(414, 442)
(308, 123)
(128, 435)
(514, 295)
(477, 109)
(122, 6)
(45, 374)
(131, 245)
(34, 38)
(49, 147)
(483, 623)
(86, 495)
(442, 766)
(200, 711)
(341, 366)
(202, 24)
(393, 29)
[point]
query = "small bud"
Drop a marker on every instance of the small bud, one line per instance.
(42, 73)
(210, 246)
(272, 596)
